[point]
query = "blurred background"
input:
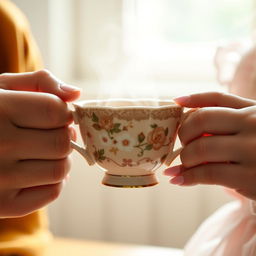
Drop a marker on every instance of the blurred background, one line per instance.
(135, 48)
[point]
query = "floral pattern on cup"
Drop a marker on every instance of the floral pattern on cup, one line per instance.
(125, 142)
(99, 155)
(116, 134)
(155, 139)
(106, 123)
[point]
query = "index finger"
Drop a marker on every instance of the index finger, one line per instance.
(214, 99)
(35, 110)
(39, 81)
(216, 121)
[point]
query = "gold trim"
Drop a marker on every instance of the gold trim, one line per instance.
(125, 186)
(131, 114)
(130, 176)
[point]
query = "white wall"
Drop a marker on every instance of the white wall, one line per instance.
(51, 22)
(161, 215)
(37, 12)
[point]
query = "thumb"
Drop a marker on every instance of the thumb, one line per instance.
(39, 81)
(214, 99)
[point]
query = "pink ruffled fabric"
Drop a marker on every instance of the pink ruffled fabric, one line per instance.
(230, 231)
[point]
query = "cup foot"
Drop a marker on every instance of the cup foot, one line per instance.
(126, 181)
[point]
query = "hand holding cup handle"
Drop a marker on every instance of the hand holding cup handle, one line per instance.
(175, 153)
(172, 156)
(83, 151)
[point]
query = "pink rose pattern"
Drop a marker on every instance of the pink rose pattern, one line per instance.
(127, 162)
(157, 137)
(106, 123)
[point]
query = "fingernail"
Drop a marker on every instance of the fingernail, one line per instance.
(69, 88)
(179, 180)
(173, 171)
(182, 100)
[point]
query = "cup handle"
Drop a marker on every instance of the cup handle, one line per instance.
(83, 152)
(77, 147)
(172, 155)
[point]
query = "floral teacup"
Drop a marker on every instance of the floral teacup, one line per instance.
(128, 139)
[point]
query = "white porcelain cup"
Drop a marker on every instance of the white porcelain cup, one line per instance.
(128, 139)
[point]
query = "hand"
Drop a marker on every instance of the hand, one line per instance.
(227, 155)
(34, 140)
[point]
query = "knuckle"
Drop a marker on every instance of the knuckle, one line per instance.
(219, 96)
(60, 170)
(43, 73)
(250, 121)
(200, 118)
(56, 111)
(200, 148)
(62, 143)
(55, 191)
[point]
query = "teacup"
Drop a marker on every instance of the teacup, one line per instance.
(128, 139)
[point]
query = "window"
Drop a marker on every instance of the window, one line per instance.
(178, 39)
(179, 21)
(150, 44)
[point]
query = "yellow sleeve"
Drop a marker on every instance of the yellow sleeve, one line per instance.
(29, 235)
(25, 236)
(18, 50)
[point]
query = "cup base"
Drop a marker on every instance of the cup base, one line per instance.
(126, 181)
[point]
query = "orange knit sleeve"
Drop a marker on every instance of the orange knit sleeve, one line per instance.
(18, 50)
(28, 235)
